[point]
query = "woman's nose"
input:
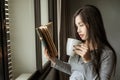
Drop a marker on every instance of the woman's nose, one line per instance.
(78, 30)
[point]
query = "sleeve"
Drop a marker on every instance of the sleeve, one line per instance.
(62, 66)
(107, 66)
(105, 69)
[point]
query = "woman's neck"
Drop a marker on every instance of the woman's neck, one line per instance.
(90, 45)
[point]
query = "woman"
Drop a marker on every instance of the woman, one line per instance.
(95, 59)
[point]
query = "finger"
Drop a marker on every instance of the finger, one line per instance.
(46, 53)
(82, 50)
(83, 44)
(78, 52)
(84, 47)
(79, 47)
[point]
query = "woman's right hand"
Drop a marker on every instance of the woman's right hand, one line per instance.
(52, 59)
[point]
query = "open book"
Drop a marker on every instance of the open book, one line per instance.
(45, 35)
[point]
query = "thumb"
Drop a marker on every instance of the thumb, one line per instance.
(47, 54)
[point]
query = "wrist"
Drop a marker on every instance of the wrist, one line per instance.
(52, 60)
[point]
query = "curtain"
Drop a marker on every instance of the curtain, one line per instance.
(63, 33)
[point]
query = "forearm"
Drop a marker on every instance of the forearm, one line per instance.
(62, 66)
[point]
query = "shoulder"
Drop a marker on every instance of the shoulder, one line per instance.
(107, 53)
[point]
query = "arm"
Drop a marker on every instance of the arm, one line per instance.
(62, 66)
(107, 66)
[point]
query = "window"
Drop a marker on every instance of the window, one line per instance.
(45, 11)
(44, 20)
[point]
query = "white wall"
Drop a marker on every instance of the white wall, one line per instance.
(22, 36)
(110, 10)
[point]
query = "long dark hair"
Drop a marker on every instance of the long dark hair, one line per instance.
(92, 18)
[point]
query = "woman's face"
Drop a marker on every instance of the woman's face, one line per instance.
(81, 28)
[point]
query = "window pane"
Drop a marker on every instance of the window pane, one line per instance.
(44, 60)
(44, 20)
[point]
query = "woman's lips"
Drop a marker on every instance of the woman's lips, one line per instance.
(81, 35)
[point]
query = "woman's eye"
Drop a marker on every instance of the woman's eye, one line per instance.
(81, 25)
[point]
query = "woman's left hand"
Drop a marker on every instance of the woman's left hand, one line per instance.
(84, 51)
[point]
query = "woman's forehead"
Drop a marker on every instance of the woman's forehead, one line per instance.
(78, 19)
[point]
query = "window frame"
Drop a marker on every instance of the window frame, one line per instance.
(42, 71)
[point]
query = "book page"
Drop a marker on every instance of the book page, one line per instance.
(45, 34)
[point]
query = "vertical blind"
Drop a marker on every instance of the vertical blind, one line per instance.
(7, 28)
